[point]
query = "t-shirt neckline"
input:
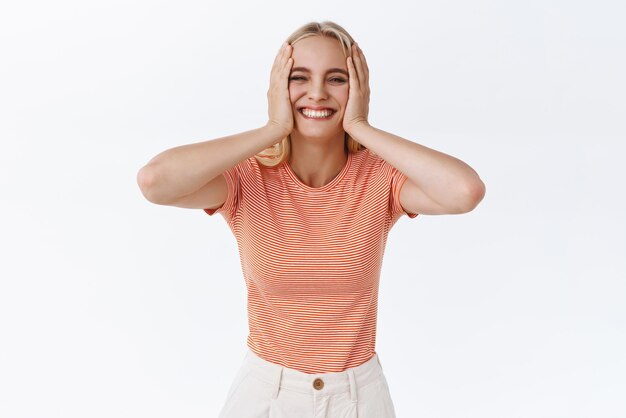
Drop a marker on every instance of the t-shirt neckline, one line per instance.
(325, 187)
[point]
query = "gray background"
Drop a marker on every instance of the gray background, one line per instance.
(111, 306)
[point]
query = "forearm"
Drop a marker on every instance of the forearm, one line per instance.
(184, 169)
(444, 178)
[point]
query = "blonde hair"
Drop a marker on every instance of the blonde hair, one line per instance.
(280, 151)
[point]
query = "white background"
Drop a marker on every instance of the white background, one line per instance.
(111, 306)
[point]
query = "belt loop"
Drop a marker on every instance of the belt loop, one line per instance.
(277, 379)
(379, 363)
(353, 387)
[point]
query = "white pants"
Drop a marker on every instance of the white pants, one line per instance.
(262, 389)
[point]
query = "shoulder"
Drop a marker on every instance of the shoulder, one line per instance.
(366, 159)
(249, 167)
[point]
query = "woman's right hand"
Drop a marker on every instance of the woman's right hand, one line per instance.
(279, 105)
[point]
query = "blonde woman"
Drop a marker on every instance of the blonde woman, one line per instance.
(311, 197)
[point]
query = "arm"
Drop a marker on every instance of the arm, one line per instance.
(189, 175)
(437, 183)
(182, 170)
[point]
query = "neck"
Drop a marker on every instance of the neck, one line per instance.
(317, 162)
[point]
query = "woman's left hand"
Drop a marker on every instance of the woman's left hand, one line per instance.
(357, 108)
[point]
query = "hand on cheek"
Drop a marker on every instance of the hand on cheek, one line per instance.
(357, 108)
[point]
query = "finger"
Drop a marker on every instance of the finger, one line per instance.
(358, 64)
(366, 70)
(354, 80)
(276, 63)
(287, 55)
(284, 55)
(279, 53)
(286, 71)
(288, 63)
(281, 60)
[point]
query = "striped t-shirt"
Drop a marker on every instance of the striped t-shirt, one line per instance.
(311, 258)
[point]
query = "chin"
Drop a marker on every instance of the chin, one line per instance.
(309, 132)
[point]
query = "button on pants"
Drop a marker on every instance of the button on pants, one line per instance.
(262, 389)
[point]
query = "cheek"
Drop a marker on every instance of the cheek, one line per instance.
(294, 92)
(342, 96)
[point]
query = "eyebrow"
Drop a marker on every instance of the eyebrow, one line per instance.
(330, 70)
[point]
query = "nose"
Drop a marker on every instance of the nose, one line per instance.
(317, 91)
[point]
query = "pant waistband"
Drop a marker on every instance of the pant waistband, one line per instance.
(321, 384)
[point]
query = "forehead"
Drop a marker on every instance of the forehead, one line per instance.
(318, 52)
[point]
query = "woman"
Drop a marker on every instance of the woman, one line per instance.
(310, 198)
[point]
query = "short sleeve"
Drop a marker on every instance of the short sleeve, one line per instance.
(398, 178)
(229, 207)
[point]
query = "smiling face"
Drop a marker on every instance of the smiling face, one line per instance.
(318, 86)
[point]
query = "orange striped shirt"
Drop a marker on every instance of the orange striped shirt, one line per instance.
(311, 258)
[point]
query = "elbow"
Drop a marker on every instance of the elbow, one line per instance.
(475, 192)
(472, 195)
(146, 179)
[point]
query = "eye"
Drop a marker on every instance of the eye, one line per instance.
(335, 80)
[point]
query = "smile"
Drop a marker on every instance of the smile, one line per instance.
(316, 114)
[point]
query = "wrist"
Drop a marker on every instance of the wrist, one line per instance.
(355, 129)
(275, 130)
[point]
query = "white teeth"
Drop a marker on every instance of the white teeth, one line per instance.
(316, 113)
